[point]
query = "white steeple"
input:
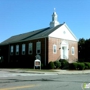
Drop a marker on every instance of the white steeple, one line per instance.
(54, 21)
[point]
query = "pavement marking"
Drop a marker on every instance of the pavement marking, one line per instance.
(18, 87)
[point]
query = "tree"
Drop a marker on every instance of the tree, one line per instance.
(84, 50)
(81, 49)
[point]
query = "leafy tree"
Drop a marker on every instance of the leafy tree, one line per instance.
(84, 50)
(81, 49)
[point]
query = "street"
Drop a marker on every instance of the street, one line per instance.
(29, 81)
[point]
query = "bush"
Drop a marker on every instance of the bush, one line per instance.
(57, 64)
(80, 66)
(73, 66)
(64, 64)
(87, 65)
(51, 65)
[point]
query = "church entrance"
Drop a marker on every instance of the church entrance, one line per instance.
(64, 50)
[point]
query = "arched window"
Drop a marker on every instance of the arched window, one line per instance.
(38, 57)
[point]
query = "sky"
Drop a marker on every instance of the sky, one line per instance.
(21, 16)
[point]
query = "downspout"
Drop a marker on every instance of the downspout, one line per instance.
(9, 54)
(45, 51)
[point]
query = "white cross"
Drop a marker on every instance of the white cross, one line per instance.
(54, 9)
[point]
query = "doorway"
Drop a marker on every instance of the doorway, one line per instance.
(64, 50)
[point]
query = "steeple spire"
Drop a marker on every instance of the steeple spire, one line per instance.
(54, 21)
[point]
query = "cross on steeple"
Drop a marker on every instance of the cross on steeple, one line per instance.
(54, 9)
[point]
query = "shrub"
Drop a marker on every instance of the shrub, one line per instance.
(64, 64)
(87, 65)
(73, 66)
(57, 64)
(51, 65)
(81, 66)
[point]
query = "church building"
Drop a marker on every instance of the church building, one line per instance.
(46, 44)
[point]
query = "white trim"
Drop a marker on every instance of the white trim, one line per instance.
(71, 31)
(58, 33)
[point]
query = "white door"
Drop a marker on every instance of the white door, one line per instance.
(64, 52)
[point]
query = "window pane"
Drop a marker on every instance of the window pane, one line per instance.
(23, 47)
(30, 48)
(12, 49)
(38, 47)
(17, 48)
(73, 50)
(54, 49)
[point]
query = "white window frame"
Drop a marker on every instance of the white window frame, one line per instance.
(38, 47)
(54, 49)
(73, 51)
(23, 49)
(30, 48)
(12, 50)
(17, 49)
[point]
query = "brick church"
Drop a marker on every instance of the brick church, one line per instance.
(47, 44)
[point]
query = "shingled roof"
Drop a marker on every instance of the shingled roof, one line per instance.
(41, 33)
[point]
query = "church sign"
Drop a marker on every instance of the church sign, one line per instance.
(37, 63)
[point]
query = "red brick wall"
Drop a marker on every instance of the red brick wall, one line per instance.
(74, 57)
(57, 41)
(51, 56)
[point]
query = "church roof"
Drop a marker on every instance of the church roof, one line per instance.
(41, 33)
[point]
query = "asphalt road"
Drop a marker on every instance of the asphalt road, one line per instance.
(29, 81)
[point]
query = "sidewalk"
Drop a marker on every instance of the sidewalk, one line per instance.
(73, 71)
(47, 72)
